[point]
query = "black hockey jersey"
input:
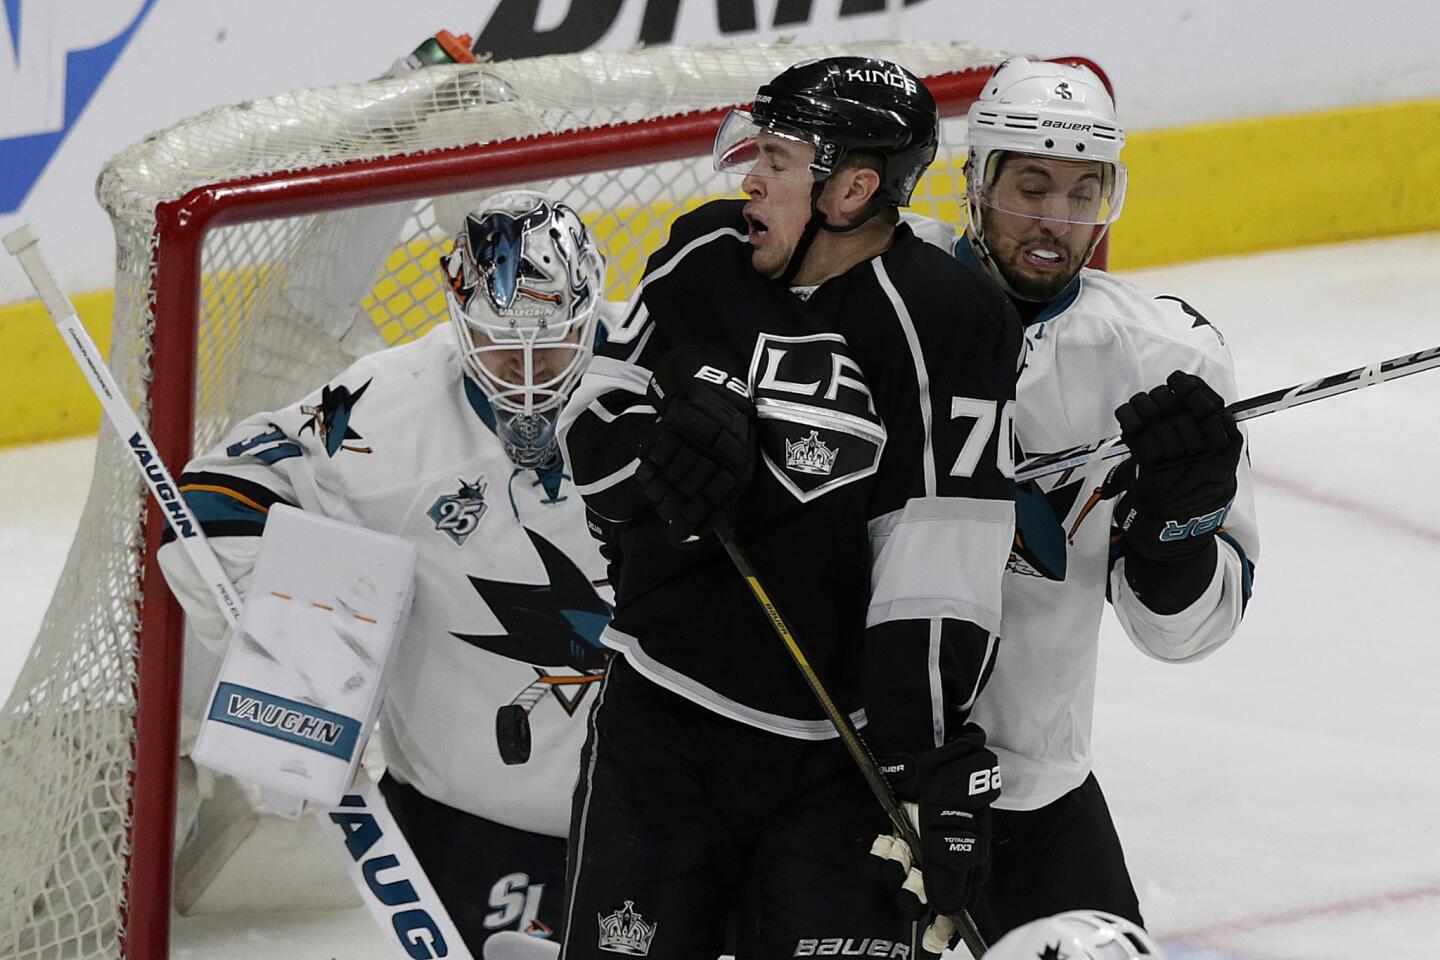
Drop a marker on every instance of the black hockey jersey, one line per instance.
(882, 515)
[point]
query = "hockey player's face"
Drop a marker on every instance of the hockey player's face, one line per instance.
(1035, 221)
(779, 190)
(508, 365)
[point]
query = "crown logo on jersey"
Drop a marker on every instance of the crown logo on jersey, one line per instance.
(810, 455)
(625, 931)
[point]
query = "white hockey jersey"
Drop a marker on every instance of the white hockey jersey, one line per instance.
(1099, 343)
(510, 595)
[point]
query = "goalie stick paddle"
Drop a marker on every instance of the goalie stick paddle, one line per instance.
(1258, 406)
(849, 736)
(418, 913)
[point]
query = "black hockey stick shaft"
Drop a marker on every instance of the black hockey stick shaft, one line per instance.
(849, 736)
(1258, 406)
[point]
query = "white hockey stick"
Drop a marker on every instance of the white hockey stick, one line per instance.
(1258, 406)
(23, 245)
(402, 902)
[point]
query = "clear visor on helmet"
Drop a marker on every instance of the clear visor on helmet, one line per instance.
(747, 147)
(1085, 193)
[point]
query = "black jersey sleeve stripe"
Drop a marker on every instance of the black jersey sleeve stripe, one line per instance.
(926, 674)
(636, 322)
(654, 272)
(605, 415)
(598, 430)
(944, 516)
(922, 374)
(644, 339)
(258, 495)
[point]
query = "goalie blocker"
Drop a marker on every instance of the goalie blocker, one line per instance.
(303, 678)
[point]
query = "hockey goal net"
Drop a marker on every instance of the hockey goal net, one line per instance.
(248, 272)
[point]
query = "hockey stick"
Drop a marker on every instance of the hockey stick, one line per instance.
(859, 752)
(1258, 406)
(24, 246)
(362, 824)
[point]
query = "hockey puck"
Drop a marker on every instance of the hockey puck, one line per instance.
(512, 734)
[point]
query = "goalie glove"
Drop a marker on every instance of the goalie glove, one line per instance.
(1179, 482)
(952, 788)
(699, 456)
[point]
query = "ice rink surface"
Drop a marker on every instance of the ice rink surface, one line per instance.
(1279, 800)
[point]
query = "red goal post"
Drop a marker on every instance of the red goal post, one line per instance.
(249, 271)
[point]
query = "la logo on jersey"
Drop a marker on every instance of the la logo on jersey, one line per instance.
(818, 427)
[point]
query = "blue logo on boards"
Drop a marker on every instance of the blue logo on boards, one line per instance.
(288, 720)
(26, 147)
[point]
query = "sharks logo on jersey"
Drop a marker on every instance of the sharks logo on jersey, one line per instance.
(330, 418)
(458, 514)
(1042, 539)
(550, 626)
(818, 426)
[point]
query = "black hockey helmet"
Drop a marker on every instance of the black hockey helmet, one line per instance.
(842, 104)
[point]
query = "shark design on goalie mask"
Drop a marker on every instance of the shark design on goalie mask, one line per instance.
(499, 242)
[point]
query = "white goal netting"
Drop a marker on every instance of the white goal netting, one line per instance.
(287, 283)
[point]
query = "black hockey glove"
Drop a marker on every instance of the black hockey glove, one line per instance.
(1179, 481)
(948, 792)
(607, 534)
(700, 454)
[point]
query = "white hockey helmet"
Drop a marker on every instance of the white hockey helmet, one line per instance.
(1050, 110)
(1077, 935)
(525, 277)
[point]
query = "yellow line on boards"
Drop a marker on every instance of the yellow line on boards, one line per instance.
(1225, 189)
(1209, 190)
(43, 395)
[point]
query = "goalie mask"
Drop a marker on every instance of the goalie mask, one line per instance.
(525, 281)
(1052, 111)
(1077, 935)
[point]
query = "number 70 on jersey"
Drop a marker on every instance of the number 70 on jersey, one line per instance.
(989, 417)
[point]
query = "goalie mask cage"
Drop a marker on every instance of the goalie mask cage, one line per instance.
(260, 248)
